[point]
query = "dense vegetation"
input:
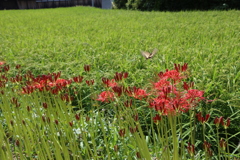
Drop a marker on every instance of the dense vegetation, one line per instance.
(176, 5)
(65, 40)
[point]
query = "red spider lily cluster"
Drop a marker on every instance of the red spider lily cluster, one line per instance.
(207, 148)
(50, 82)
(169, 95)
(220, 120)
(173, 95)
(191, 149)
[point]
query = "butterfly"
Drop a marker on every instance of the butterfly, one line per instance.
(148, 55)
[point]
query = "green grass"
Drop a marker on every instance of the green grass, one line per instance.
(64, 39)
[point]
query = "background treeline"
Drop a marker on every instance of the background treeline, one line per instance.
(176, 5)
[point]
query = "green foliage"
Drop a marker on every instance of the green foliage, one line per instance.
(176, 5)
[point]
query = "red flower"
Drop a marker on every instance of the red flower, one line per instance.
(206, 147)
(191, 149)
(173, 75)
(223, 144)
(217, 121)
(118, 90)
(180, 68)
(227, 124)
(156, 119)
(87, 68)
(160, 84)
(187, 86)
(2, 63)
(77, 116)
(60, 82)
(78, 79)
(122, 132)
(137, 93)
(194, 96)
(128, 103)
(106, 96)
(89, 83)
(108, 82)
(45, 105)
(201, 118)
(18, 66)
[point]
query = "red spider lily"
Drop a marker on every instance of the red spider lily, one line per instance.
(173, 75)
(133, 129)
(78, 79)
(201, 118)
(120, 76)
(18, 66)
(28, 108)
(105, 96)
(137, 93)
(118, 90)
(77, 116)
(12, 122)
(227, 124)
(6, 68)
(156, 119)
(170, 105)
(87, 68)
(217, 121)
(56, 122)
(18, 78)
(90, 82)
(180, 68)
(161, 84)
(194, 95)
(71, 124)
(2, 63)
(128, 103)
(23, 122)
(122, 132)
(108, 82)
(223, 144)
(49, 82)
(17, 142)
(135, 117)
(191, 149)
(55, 90)
(3, 77)
(2, 84)
(14, 100)
(66, 97)
(60, 83)
(125, 75)
(159, 105)
(45, 105)
(206, 147)
(28, 89)
(138, 155)
(187, 86)
(56, 75)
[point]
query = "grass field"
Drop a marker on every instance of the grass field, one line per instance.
(110, 41)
